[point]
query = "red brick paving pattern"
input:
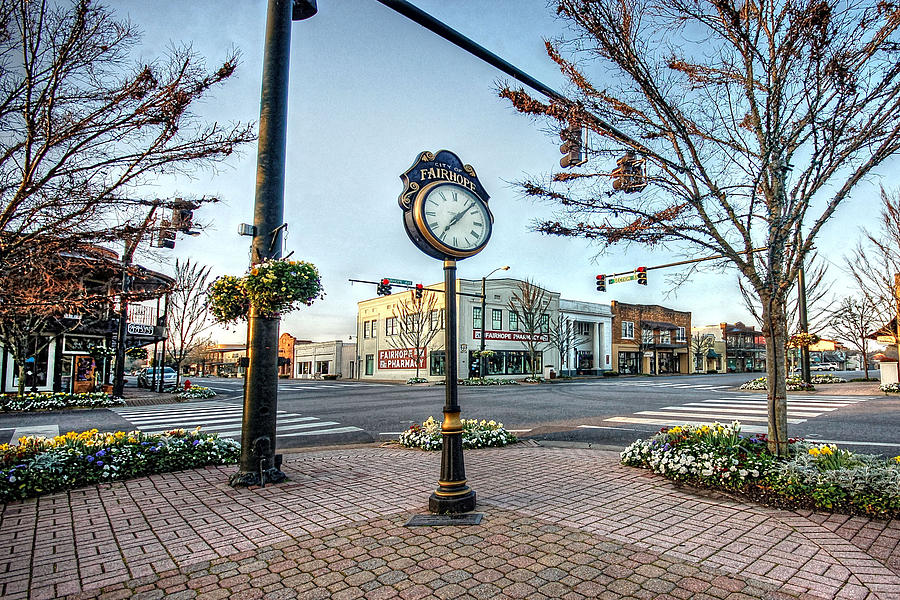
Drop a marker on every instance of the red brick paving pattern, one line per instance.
(558, 524)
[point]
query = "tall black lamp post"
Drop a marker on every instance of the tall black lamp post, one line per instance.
(257, 464)
(482, 367)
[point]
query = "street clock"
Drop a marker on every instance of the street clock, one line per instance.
(445, 207)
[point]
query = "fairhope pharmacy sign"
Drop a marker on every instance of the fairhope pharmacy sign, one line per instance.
(401, 358)
(511, 336)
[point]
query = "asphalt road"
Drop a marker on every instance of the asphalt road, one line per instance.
(601, 412)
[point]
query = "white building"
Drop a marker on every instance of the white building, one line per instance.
(318, 359)
(384, 355)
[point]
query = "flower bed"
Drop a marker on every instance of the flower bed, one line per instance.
(195, 392)
(414, 380)
(40, 465)
(794, 384)
(56, 401)
(476, 381)
(476, 434)
(827, 379)
(813, 476)
(892, 388)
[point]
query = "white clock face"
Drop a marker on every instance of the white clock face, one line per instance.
(455, 217)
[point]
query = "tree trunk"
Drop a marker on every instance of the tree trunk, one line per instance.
(21, 377)
(775, 331)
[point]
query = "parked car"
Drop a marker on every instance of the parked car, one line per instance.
(146, 376)
(824, 366)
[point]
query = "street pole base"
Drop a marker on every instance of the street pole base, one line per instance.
(452, 504)
(251, 478)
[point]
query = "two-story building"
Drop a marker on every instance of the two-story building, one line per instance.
(745, 348)
(650, 339)
(707, 349)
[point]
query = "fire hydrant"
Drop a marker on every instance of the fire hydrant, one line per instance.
(187, 384)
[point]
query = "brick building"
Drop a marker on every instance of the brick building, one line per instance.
(650, 339)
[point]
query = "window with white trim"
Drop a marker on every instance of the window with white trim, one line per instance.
(627, 330)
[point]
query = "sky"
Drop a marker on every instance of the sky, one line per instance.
(369, 91)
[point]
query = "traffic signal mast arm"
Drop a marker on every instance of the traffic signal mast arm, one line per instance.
(688, 262)
(419, 16)
(412, 287)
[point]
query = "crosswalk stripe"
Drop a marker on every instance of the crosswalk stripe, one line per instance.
(224, 419)
(702, 406)
(714, 417)
(645, 421)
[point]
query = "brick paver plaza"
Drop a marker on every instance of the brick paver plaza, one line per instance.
(558, 523)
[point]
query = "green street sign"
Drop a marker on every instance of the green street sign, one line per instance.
(622, 278)
(400, 281)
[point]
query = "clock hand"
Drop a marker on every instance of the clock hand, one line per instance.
(459, 216)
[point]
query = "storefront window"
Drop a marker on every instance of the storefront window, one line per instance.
(668, 363)
(496, 364)
(438, 362)
(629, 363)
(370, 364)
(322, 366)
(505, 362)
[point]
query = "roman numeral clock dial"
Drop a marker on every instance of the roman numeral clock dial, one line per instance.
(453, 219)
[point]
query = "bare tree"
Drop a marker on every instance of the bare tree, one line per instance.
(876, 259)
(853, 320)
(563, 337)
(700, 347)
(818, 298)
(83, 123)
(530, 303)
(752, 121)
(415, 329)
(187, 313)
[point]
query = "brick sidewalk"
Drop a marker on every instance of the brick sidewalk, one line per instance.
(559, 523)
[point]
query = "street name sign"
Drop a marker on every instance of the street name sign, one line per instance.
(400, 281)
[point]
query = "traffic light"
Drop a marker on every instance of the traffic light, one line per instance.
(165, 236)
(420, 289)
(601, 283)
(572, 147)
(182, 219)
(642, 275)
(384, 287)
(628, 176)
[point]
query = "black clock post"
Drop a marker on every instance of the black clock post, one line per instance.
(452, 494)
(446, 216)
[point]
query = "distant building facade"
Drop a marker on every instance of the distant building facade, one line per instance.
(335, 359)
(712, 360)
(225, 360)
(650, 339)
(745, 348)
(383, 356)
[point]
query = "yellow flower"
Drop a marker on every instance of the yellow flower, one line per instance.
(896, 459)
(254, 271)
(826, 450)
(814, 451)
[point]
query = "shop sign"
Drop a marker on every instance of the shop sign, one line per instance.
(886, 339)
(511, 336)
(648, 354)
(401, 358)
(140, 329)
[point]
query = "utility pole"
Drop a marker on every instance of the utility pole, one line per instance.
(258, 462)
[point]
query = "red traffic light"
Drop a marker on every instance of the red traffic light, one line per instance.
(385, 281)
(419, 286)
(641, 269)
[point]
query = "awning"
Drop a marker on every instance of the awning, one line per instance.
(887, 332)
(712, 354)
(658, 325)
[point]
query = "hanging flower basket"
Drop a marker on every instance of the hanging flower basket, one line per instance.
(274, 287)
(101, 352)
(803, 340)
(137, 353)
